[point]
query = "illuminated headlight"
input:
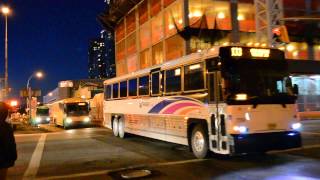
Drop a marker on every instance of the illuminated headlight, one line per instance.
(296, 126)
(86, 119)
(48, 119)
(38, 119)
(240, 129)
(69, 120)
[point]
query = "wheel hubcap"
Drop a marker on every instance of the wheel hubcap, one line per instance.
(198, 141)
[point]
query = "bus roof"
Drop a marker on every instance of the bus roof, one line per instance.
(69, 100)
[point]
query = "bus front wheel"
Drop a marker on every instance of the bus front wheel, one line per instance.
(121, 128)
(115, 126)
(199, 142)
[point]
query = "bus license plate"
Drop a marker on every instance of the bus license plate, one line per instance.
(272, 126)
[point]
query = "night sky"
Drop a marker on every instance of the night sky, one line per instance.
(49, 35)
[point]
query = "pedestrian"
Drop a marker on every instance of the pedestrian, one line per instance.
(8, 151)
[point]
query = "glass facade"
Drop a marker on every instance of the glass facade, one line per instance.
(148, 34)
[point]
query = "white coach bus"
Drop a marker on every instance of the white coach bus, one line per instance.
(228, 100)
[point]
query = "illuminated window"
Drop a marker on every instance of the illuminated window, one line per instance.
(131, 44)
(167, 2)
(155, 7)
(246, 17)
(145, 59)
(143, 12)
(157, 54)
(174, 47)
(145, 36)
(119, 31)
(132, 63)
(120, 50)
(131, 22)
(157, 28)
(174, 18)
(121, 67)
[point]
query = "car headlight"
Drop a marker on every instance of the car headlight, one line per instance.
(38, 119)
(296, 126)
(86, 119)
(48, 119)
(240, 129)
(69, 120)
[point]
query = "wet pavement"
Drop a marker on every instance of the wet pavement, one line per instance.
(93, 153)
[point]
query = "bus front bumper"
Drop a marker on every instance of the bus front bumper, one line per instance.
(262, 142)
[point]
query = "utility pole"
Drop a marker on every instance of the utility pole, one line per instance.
(235, 36)
(309, 35)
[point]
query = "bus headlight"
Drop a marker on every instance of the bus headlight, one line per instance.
(38, 119)
(48, 119)
(240, 129)
(69, 120)
(86, 119)
(296, 126)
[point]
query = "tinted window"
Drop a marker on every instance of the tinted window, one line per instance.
(155, 80)
(133, 87)
(123, 89)
(193, 77)
(107, 92)
(144, 85)
(173, 80)
(115, 90)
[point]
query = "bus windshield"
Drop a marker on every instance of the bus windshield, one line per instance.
(262, 81)
(42, 111)
(77, 109)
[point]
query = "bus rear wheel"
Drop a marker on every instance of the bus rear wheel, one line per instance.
(115, 126)
(121, 128)
(199, 142)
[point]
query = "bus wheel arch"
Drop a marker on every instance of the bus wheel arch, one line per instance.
(198, 139)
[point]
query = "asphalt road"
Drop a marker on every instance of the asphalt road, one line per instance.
(93, 153)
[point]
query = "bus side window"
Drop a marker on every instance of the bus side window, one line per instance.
(155, 83)
(194, 77)
(123, 89)
(107, 92)
(173, 80)
(115, 92)
(144, 86)
(133, 87)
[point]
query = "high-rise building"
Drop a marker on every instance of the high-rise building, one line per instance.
(96, 55)
(108, 39)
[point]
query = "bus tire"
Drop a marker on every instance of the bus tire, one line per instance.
(199, 142)
(115, 126)
(121, 127)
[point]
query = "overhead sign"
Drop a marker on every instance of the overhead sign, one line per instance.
(34, 93)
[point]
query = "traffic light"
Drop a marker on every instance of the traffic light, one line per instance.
(280, 34)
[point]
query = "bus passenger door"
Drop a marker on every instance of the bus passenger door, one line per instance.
(218, 136)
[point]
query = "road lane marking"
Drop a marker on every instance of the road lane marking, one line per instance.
(35, 160)
(105, 172)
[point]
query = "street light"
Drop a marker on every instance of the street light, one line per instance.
(38, 75)
(6, 11)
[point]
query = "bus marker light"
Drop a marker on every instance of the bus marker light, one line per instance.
(241, 97)
(241, 129)
(296, 126)
(247, 116)
(69, 120)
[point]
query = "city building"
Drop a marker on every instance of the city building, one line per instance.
(151, 32)
(155, 31)
(97, 63)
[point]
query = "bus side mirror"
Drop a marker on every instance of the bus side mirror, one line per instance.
(295, 89)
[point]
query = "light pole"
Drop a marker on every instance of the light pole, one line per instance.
(6, 11)
(38, 75)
